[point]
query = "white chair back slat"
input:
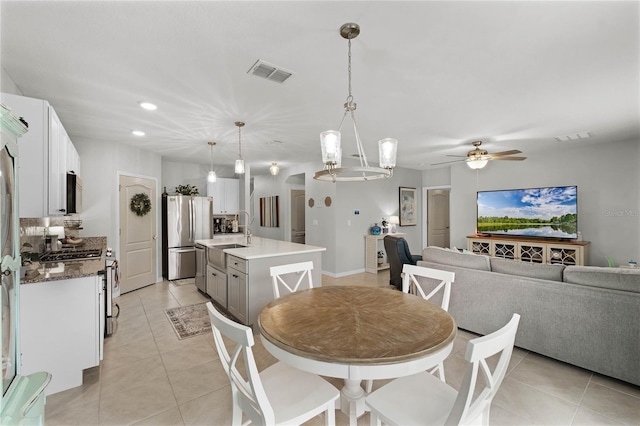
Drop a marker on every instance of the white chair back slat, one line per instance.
(282, 275)
(468, 409)
(248, 395)
(411, 284)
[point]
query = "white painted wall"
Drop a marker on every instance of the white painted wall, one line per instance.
(100, 166)
(7, 85)
(608, 180)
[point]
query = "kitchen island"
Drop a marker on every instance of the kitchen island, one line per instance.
(242, 285)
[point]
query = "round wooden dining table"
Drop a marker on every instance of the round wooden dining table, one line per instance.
(356, 333)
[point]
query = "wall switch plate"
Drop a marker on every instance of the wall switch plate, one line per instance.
(348, 222)
(315, 222)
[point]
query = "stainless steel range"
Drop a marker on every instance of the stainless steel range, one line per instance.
(69, 255)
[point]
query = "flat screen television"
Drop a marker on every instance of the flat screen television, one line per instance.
(550, 212)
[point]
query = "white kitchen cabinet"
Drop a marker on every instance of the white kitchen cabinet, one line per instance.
(217, 285)
(60, 328)
(225, 193)
(237, 297)
(47, 154)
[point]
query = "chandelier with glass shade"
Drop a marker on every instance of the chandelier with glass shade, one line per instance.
(211, 177)
(331, 144)
(239, 169)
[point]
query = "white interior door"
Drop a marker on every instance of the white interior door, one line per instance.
(438, 217)
(138, 261)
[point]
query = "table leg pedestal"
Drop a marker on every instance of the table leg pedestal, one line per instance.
(352, 400)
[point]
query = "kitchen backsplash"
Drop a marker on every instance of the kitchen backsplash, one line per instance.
(33, 232)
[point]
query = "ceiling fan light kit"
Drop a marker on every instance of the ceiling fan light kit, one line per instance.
(330, 140)
(478, 158)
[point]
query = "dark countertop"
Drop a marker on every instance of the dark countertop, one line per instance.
(51, 271)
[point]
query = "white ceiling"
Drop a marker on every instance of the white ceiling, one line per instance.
(434, 75)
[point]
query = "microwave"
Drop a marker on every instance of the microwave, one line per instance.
(74, 193)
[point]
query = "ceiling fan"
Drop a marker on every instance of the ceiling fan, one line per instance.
(477, 158)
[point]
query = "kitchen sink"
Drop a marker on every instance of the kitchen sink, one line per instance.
(217, 257)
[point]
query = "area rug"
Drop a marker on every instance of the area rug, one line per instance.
(189, 321)
(185, 281)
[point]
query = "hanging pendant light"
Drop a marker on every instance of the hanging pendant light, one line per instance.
(331, 144)
(211, 177)
(274, 169)
(239, 162)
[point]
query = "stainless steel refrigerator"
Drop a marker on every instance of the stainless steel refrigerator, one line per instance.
(185, 219)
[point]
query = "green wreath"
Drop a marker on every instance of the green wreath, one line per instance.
(140, 204)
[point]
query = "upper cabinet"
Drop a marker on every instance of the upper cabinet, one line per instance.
(47, 155)
(225, 193)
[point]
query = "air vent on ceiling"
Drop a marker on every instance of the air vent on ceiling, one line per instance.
(573, 137)
(269, 71)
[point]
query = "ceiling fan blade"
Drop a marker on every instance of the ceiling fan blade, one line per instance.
(513, 151)
(459, 156)
(508, 158)
(448, 162)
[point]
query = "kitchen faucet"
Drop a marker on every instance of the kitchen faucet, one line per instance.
(247, 231)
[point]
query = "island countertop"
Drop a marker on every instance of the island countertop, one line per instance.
(260, 247)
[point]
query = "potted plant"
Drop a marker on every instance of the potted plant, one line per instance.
(380, 257)
(186, 190)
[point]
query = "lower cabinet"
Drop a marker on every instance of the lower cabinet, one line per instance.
(217, 285)
(237, 300)
(60, 328)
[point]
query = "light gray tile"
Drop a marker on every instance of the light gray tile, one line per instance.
(138, 403)
(213, 408)
(129, 353)
(611, 403)
(193, 382)
(170, 417)
(616, 384)
(73, 414)
(129, 376)
(537, 407)
(553, 377)
(190, 354)
(586, 417)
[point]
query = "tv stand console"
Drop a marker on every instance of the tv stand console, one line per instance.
(531, 249)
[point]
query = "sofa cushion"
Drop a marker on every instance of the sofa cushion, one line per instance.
(455, 258)
(527, 269)
(596, 276)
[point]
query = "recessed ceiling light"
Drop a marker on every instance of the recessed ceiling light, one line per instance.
(138, 132)
(148, 106)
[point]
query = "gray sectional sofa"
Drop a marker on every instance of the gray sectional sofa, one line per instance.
(583, 315)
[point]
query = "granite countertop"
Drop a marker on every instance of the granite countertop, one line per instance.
(260, 247)
(51, 271)
(37, 272)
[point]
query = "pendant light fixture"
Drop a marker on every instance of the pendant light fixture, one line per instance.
(239, 162)
(211, 177)
(274, 169)
(330, 140)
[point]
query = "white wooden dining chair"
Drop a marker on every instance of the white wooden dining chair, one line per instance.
(277, 395)
(283, 275)
(423, 399)
(411, 284)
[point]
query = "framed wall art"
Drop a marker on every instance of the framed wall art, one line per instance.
(269, 212)
(407, 206)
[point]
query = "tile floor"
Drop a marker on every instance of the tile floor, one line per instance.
(149, 377)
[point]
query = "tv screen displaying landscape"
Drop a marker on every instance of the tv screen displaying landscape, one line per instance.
(535, 212)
